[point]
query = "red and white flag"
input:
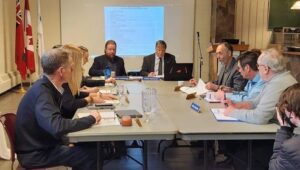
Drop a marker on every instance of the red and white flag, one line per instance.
(40, 33)
(20, 57)
(29, 49)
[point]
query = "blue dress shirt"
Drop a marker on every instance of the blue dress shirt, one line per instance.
(251, 90)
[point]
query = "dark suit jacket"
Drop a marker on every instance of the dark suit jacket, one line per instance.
(149, 63)
(101, 62)
(39, 123)
(233, 79)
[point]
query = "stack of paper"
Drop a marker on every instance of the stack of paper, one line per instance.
(219, 115)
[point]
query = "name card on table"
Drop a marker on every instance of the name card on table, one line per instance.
(195, 107)
(151, 78)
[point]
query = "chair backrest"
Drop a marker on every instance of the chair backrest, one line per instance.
(9, 123)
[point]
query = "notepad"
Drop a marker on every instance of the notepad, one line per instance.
(218, 113)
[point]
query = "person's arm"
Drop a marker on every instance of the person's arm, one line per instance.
(49, 118)
(96, 69)
(260, 113)
(144, 70)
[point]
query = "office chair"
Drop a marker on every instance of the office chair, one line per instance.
(8, 120)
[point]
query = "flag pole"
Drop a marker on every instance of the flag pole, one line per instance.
(22, 89)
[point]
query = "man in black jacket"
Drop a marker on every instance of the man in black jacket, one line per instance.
(155, 63)
(40, 126)
(108, 60)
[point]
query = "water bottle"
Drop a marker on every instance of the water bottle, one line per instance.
(107, 72)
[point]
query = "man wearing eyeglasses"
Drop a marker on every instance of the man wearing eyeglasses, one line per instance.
(261, 110)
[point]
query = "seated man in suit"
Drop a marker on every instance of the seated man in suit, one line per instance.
(229, 78)
(40, 126)
(154, 64)
(108, 60)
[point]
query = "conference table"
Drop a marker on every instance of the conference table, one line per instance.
(175, 119)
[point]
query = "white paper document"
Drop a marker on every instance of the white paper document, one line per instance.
(108, 118)
(199, 89)
(114, 102)
(219, 115)
(135, 77)
(210, 97)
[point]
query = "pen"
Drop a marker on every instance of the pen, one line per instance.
(226, 105)
(138, 122)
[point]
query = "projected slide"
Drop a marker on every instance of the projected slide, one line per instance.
(135, 29)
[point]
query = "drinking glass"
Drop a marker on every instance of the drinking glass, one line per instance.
(149, 102)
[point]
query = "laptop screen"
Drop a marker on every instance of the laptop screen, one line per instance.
(178, 71)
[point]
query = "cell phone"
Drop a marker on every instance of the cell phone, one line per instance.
(106, 106)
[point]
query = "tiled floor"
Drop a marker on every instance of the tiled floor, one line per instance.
(176, 159)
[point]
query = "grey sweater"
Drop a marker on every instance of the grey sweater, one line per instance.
(264, 104)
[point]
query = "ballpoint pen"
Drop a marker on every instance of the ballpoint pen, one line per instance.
(226, 104)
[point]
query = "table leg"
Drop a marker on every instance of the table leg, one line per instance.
(249, 166)
(205, 154)
(99, 156)
(145, 155)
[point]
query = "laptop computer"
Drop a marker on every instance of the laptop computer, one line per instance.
(178, 72)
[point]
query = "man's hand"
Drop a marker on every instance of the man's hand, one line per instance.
(151, 74)
(219, 95)
(228, 110)
(211, 86)
(193, 82)
(229, 107)
(225, 89)
(110, 80)
(96, 115)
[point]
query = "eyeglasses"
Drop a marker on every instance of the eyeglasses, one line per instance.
(257, 65)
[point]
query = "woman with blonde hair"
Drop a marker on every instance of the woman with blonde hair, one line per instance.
(73, 98)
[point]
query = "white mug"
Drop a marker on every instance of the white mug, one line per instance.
(113, 74)
(180, 83)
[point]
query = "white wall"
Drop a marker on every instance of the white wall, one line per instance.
(50, 11)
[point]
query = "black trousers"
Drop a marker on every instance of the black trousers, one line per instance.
(79, 157)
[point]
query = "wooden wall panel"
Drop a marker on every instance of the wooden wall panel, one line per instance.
(251, 24)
